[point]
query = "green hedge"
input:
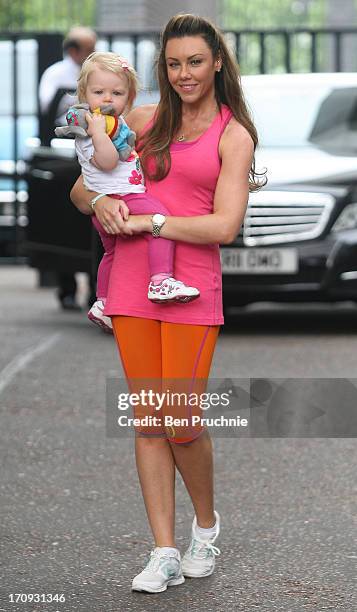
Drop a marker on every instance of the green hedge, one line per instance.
(58, 15)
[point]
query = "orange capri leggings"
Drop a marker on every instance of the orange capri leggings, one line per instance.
(172, 360)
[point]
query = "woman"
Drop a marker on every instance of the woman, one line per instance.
(197, 151)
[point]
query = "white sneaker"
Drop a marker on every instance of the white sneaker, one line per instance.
(172, 290)
(200, 558)
(162, 570)
(96, 315)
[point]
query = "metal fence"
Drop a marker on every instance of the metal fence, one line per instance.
(258, 51)
(293, 50)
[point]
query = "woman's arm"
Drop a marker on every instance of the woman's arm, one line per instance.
(110, 212)
(81, 197)
(230, 200)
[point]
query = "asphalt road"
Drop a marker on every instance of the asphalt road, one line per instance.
(72, 520)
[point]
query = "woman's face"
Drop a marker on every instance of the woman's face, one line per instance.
(191, 68)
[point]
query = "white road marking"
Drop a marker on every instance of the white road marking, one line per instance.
(21, 361)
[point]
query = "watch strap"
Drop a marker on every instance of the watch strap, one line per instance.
(156, 230)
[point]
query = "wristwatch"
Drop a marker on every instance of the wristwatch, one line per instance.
(158, 221)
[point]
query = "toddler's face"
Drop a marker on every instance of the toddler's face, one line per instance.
(105, 87)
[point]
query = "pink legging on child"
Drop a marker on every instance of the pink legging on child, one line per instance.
(161, 250)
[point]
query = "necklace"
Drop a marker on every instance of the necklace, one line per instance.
(193, 129)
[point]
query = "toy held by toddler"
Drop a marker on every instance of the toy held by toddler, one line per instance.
(107, 86)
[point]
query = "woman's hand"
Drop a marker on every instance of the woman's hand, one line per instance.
(136, 224)
(124, 210)
(113, 215)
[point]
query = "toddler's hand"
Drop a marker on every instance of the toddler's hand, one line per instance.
(96, 124)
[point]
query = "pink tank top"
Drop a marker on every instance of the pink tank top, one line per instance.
(188, 190)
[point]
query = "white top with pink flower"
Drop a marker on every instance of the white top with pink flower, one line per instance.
(126, 177)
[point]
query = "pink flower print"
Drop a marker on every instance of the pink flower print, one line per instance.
(135, 178)
(131, 157)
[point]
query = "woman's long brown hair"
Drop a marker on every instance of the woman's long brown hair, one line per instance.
(228, 90)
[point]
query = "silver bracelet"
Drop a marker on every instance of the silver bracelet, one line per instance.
(95, 199)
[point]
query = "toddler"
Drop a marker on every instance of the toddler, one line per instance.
(111, 166)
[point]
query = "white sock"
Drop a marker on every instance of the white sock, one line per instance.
(169, 549)
(206, 533)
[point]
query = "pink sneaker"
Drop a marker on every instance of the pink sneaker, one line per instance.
(96, 315)
(172, 290)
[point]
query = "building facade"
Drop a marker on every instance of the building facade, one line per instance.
(148, 15)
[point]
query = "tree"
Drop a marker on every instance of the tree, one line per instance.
(46, 14)
(239, 14)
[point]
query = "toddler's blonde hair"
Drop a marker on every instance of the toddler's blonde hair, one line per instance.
(107, 61)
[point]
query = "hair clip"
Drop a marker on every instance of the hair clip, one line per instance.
(124, 63)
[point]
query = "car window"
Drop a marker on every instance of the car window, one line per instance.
(304, 116)
(336, 123)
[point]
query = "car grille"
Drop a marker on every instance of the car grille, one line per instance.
(275, 217)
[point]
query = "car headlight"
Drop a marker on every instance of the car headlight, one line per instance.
(347, 219)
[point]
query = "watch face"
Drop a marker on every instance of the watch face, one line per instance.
(158, 219)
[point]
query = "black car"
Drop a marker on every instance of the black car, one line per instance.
(299, 240)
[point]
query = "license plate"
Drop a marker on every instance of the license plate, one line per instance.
(259, 261)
